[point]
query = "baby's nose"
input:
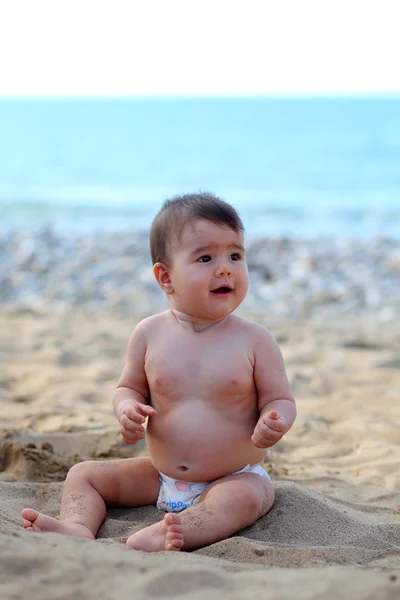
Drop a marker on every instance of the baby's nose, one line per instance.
(224, 269)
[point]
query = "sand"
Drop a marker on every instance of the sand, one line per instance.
(334, 530)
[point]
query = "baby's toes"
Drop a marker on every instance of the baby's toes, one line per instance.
(174, 538)
(174, 543)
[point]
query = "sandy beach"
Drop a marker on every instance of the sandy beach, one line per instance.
(334, 530)
(335, 527)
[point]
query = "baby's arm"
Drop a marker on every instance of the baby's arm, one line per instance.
(276, 403)
(131, 397)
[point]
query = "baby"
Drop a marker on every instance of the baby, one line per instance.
(212, 386)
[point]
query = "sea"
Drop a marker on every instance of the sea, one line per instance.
(299, 167)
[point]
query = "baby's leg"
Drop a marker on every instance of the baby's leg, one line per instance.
(226, 506)
(90, 487)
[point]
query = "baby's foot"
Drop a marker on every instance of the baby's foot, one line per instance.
(165, 535)
(36, 521)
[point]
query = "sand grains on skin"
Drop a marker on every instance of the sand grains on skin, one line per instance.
(165, 535)
(40, 523)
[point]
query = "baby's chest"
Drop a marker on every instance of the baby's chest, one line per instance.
(199, 371)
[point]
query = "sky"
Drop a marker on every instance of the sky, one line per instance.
(198, 47)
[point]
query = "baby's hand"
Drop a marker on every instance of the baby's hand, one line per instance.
(131, 420)
(269, 430)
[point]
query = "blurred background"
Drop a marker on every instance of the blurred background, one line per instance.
(302, 167)
(290, 111)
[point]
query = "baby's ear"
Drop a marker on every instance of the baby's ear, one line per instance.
(161, 273)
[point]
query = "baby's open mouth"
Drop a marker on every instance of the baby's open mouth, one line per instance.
(223, 289)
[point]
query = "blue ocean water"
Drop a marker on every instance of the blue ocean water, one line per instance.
(300, 167)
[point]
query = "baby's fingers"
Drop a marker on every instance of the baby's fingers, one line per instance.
(132, 434)
(257, 442)
(264, 437)
(278, 424)
(273, 414)
(132, 431)
(130, 414)
(260, 441)
(130, 427)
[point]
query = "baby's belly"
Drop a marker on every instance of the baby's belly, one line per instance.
(195, 443)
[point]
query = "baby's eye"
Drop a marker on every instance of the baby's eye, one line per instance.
(236, 256)
(205, 258)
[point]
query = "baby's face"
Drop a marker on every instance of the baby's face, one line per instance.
(208, 272)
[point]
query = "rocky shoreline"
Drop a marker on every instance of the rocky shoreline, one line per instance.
(112, 271)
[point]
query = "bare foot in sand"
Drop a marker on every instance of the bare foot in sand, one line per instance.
(37, 522)
(165, 535)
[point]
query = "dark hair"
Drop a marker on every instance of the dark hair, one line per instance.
(176, 212)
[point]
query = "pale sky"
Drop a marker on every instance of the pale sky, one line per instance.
(198, 47)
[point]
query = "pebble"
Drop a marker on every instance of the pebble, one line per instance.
(42, 270)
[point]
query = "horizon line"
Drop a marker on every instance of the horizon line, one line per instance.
(209, 96)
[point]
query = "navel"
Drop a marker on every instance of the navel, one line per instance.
(183, 468)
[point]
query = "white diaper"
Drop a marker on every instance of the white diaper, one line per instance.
(176, 495)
